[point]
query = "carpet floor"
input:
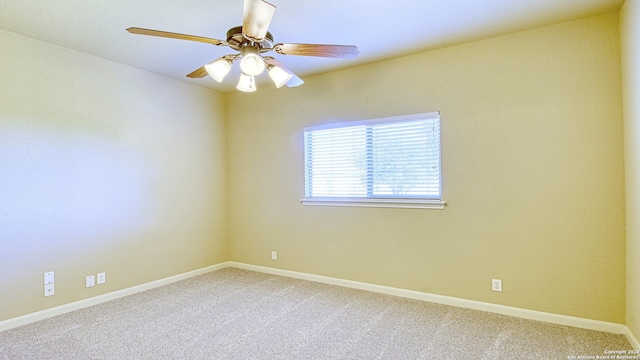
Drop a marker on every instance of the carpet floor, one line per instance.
(239, 314)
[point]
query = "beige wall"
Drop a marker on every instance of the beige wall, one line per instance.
(630, 32)
(103, 167)
(533, 173)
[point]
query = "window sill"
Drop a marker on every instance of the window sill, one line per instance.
(383, 203)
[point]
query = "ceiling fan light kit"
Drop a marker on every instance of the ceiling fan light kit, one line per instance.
(247, 83)
(251, 40)
(219, 69)
(251, 63)
(279, 76)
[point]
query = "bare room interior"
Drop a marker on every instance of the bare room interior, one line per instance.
(129, 174)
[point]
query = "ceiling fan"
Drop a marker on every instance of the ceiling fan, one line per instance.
(251, 40)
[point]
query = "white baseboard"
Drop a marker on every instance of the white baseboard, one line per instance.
(439, 299)
(63, 309)
(632, 339)
(448, 300)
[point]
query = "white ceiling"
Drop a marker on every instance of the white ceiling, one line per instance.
(380, 29)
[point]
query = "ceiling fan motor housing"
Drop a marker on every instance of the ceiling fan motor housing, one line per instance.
(237, 40)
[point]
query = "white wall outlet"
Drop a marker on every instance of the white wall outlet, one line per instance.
(274, 255)
(48, 278)
(49, 290)
(496, 285)
(91, 281)
(102, 278)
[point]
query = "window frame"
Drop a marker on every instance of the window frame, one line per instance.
(377, 201)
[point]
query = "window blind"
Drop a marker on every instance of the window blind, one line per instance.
(391, 158)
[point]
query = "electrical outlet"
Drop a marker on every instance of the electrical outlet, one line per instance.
(49, 290)
(91, 281)
(496, 285)
(102, 278)
(274, 255)
(48, 284)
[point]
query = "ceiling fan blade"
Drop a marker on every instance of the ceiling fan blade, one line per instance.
(198, 73)
(332, 51)
(257, 18)
(166, 34)
(295, 80)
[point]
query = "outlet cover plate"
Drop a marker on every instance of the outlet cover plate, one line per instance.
(101, 278)
(496, 285)
(49, 290)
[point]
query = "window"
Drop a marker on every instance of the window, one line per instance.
(390, 162)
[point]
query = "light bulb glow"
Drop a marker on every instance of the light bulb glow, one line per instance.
(279, 76)
(247, 83)
(218, 69)
(252, 63)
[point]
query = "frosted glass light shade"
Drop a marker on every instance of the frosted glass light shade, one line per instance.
(252, 64)
(247, 83)
(279, 76)
(218, 69)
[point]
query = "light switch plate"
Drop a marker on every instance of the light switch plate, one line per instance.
(48, 278)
